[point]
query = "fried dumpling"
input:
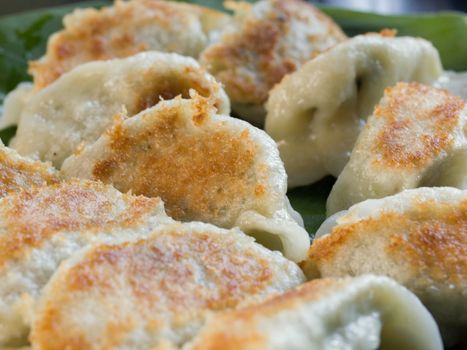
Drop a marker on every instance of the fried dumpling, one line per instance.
(80, 105)
(365, 313)
(14, 103)
(158, 291)
(316, 113)
(264, 42)
(41, 227)
(205, 167)
(18, 173)
(454, 82)
(417, 135)
(125, 29)
(418, 237)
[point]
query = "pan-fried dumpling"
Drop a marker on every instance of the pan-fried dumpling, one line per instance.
(80, 105)
(18, 173)
(14, 103)
(365, 313)
(264, 42)
(122, 30)
(205, 167)
(417, 135)
(41, 227)
(454, 82)
(418, 237)
(155, 292)
(316, 113)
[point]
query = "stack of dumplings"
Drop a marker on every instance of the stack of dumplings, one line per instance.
(316, 113)
(81, 105)
(137, 213)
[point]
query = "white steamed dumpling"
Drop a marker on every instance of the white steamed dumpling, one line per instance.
(316, 113)
(416, 136)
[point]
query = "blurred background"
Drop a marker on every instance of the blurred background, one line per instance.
(381, 6)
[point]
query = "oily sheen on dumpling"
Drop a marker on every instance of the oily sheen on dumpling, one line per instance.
(316, 113)
(365, 313)
(80, 105)
(156, 292)
(205, 166)
(417, 135)
(123, 30)
(19, 173)
(417, 237)
(262, 43)
(41, 227)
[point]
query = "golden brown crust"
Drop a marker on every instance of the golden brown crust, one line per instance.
(200, 168)
(33, 216)
(392, 144)
(17, 174)
(159, 278)
(259, 47)
(429, 239)
(111, 32)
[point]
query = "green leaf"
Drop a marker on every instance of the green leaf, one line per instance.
(24, 37)
(7, 134)
(446, 30)
(310, 202)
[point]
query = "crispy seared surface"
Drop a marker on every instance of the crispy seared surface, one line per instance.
(418, 124)
(416, 136)
(418, 237)
(79, 107)
(33, 216)
(269, 40)
(428, 239)
(165, 286)
(123, 30)
(17, 173)
(204, 167)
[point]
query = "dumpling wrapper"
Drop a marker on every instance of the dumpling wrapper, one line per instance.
(316, 113)
(156, 292)
(78, 107)
(262, 43)
(365, 313)
(416, 136)
(19, 173)
(14, 103)
(41, 227)
(205, 167)
(417, 237)
(123, 30)
(454, 82)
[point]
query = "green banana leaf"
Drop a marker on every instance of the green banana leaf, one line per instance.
(23, 37)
